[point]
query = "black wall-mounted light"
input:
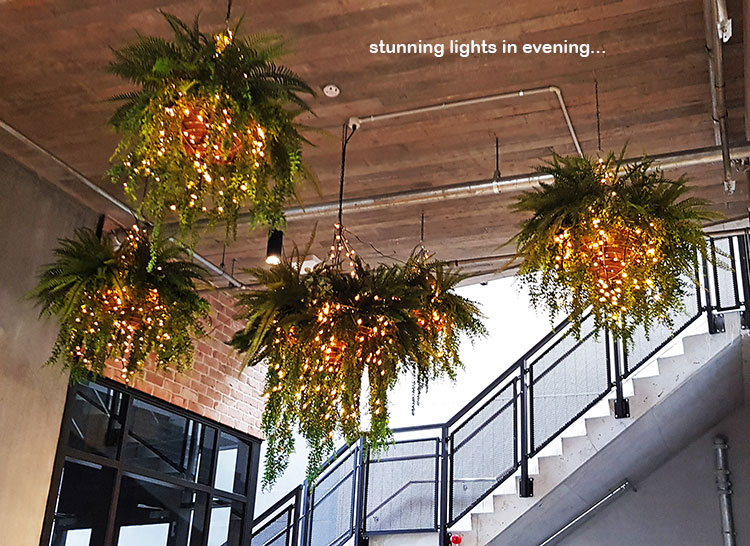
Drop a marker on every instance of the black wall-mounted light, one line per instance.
(275, 244)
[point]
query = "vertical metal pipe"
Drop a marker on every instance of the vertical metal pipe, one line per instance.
(724, 486)
(709, 28)
(718, 101)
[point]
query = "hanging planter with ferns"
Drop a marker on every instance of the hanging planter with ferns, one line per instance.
(211, 128)
(122, 305)
(618, 238)
(322, 331)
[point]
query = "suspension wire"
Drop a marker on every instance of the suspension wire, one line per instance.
(339, 239)
(372, 246)
(598, 116)
(421, 230)
(229, 11)
(345, 138)
(222, 265)
(497, 155)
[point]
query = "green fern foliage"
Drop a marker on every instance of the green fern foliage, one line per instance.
(620, 239)
(324, 332)
(210, 128)
(121, 305)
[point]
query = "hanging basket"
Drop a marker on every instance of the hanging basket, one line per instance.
(349, 324)
(126, 305)
(194, 134)
(612, 239)
(612, 252)
(194, 142)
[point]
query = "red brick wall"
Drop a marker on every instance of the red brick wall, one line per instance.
(215, 388)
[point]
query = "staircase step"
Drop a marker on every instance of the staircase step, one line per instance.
(601, 430)
(662, 427)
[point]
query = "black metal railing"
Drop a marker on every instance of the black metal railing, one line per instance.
(434, 475)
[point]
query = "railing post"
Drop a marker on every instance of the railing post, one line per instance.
(745, 276)
(307, 499)
(296, 515)
(715, 322)
(443, 511)
(526, 484)
(622, 404)
(359, 521)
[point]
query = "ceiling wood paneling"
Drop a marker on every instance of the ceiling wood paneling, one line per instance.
(653, 83)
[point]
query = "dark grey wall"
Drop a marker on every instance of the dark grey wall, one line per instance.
(33, 214)
(678, 505)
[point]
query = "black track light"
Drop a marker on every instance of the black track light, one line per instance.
(275, 245)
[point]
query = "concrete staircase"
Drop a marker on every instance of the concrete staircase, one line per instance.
(684, 396)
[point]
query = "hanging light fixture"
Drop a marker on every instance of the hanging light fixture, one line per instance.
(274, 247)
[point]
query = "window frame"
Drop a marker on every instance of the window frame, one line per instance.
(122, 468)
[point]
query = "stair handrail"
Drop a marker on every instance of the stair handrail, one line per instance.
(518, 371)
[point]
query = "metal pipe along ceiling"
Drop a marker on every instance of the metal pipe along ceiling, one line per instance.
(109, 197)
(355, 121)
(675, 160)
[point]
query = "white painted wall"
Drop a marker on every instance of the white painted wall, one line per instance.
(678, 504)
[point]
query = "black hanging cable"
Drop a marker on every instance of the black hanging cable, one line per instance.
(497, 157)
(100, 226)
(229, 11)
(421, 230)
(223, 255)
(345, 138)
(598, 117)
(496, 175)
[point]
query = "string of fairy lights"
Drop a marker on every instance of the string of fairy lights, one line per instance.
(126, 316)
(616, 254)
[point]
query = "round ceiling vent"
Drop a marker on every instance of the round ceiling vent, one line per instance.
(331, 90)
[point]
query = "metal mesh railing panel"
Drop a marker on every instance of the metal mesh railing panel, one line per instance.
(402, 493)
(563, 388)
(724, 270)
(559, 348)
(644, 347)
(333, 507)
(276, 532)
(484, 451)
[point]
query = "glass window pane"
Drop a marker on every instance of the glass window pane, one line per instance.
(159, 514)
(232, 464)
(96, 416)
(168, 443)
(226, 522)
(82, 505)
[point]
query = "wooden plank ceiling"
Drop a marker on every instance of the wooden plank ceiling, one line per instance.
(653, 82)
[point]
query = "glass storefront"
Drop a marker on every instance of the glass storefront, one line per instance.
(133, 471)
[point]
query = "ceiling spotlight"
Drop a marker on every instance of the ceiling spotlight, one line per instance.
(331, 91)
(275, 245)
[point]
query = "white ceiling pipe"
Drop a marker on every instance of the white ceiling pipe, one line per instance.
(109, 197)
(676, 160)
(358, 121)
